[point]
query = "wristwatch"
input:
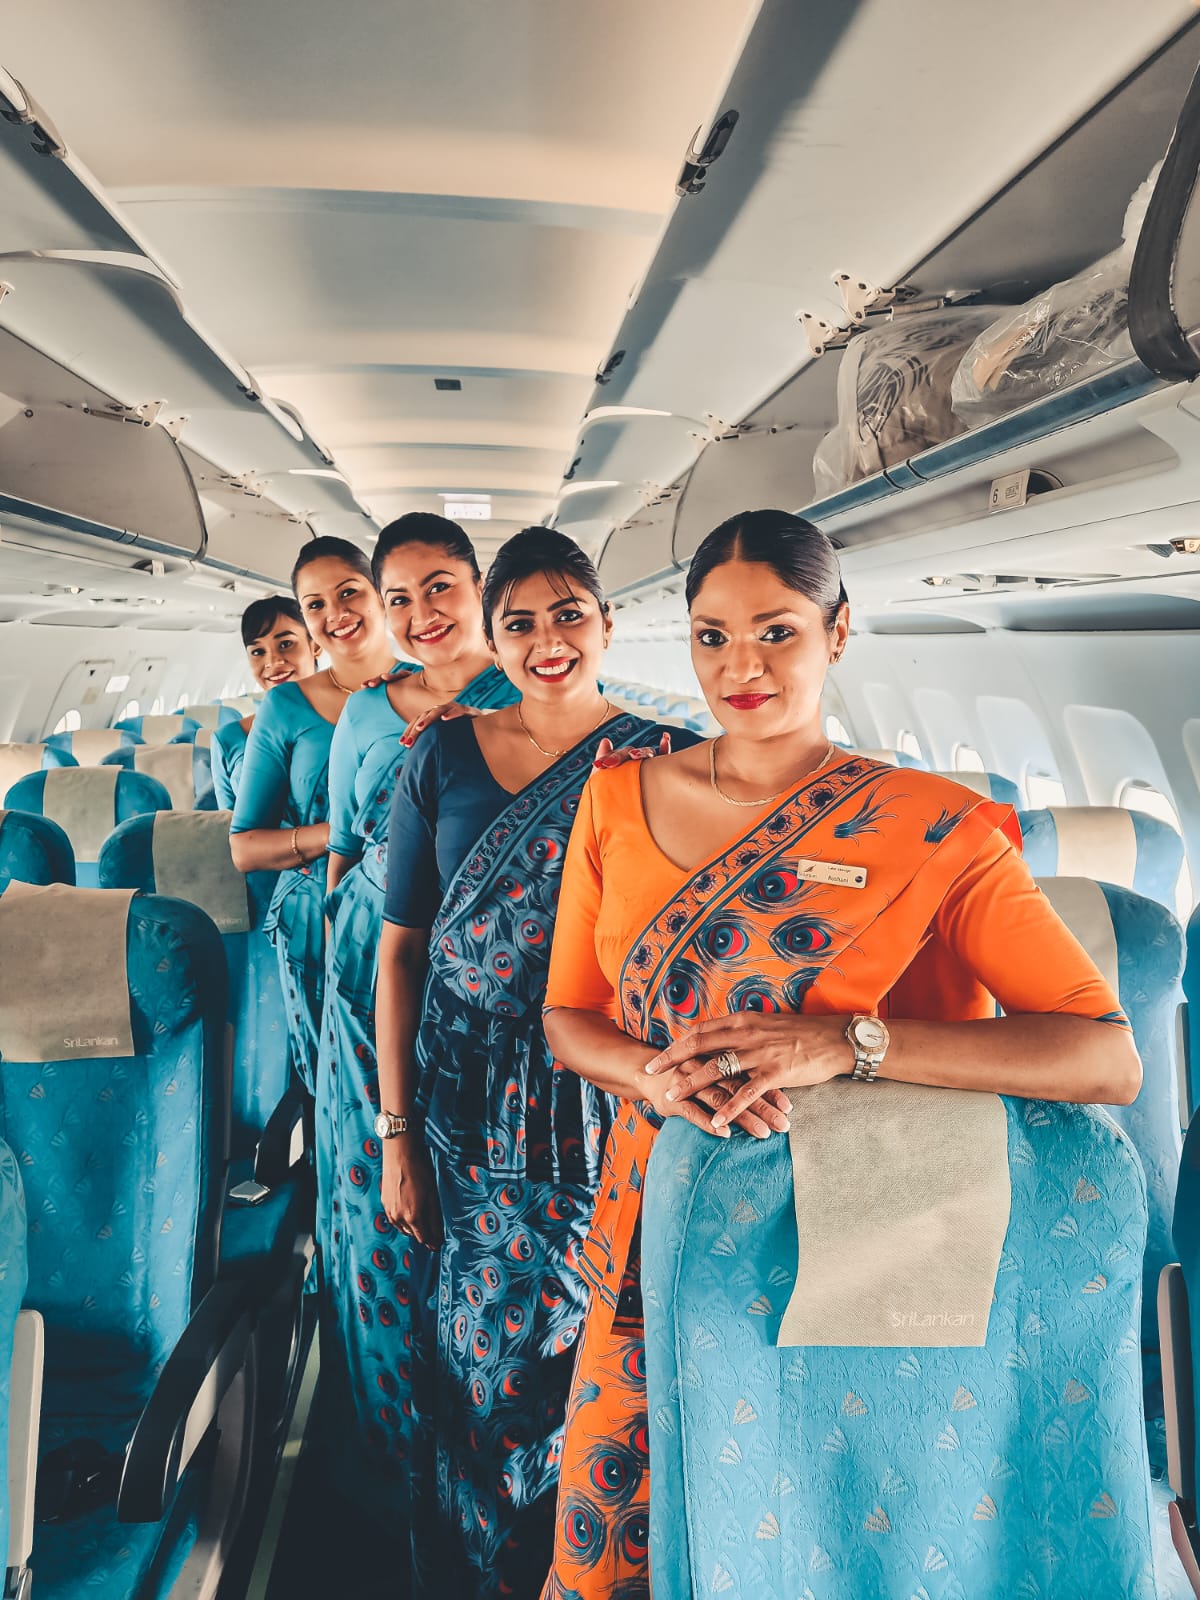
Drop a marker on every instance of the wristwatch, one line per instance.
(869, 1040)
(388, 1125)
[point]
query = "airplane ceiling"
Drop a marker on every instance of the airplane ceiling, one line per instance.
(357, 201)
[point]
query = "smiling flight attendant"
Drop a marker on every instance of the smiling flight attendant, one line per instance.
(426, 572)
(492, 1154)
(280, 822)
(279, 650)
(701, 947)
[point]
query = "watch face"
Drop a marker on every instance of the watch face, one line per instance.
(383, 1125)
(870, 1034)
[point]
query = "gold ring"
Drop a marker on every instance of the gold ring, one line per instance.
(728, 1064)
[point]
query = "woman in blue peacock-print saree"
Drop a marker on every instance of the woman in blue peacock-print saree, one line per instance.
(425, 570)
(494, 1169)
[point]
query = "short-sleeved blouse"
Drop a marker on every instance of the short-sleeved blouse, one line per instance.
(994, 928)
(285, 775)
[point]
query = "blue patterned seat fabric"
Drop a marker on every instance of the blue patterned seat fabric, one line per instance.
(1144, 942)
(1016, 1471)
(34, 850)
(13, 1276)
(1151, 848)
(122, 1162)
(204, 794)
(133, 795)
(1187, 1246)
(183, 724)
(260, 1041)
(1191, 1021)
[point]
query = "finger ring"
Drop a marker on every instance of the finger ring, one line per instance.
(728, 1064)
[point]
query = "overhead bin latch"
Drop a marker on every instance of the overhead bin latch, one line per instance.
(823, 335)
(144, 416)
(863, 299)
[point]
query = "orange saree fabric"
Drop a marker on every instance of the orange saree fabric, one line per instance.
(941, 920)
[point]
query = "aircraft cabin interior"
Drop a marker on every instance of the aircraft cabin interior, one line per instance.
(667, 293)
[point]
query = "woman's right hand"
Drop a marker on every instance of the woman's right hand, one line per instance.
(409, 1191)
(765, 1116)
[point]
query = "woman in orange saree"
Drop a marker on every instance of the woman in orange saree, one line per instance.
(857, 919)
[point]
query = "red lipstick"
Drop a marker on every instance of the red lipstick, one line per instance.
(747, 702)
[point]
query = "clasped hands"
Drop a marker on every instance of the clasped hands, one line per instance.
(773, 1052)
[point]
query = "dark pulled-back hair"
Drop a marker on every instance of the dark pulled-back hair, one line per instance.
(260, 616)
(326, 548)
(423, 527)
(530, 552)
(797, 552)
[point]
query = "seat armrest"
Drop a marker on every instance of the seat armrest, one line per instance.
(197, 1375)
(1178, 1381)
(282, 1147)
(24, 1426)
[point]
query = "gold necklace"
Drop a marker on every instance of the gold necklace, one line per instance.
(554, 754)
(766, 799)
(334, 681)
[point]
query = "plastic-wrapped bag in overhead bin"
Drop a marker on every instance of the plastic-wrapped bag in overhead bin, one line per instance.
(1074, 330)
(893, 393)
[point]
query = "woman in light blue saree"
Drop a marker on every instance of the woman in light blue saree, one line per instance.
(427, 575)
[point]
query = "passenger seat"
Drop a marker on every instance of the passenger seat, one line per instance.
(89, 746)
(18, 760)
(898, 758)
(1179, 1319)
(1190, 1017)
(158, 729)
(88, 803)
(1107, 843)
(989, 784)
(112, 1097)
(183, 767)
(1138, 946)
(34, 850)
(22, 1358)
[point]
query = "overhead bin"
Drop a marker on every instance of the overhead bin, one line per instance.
(639, 552)
(1116, 128)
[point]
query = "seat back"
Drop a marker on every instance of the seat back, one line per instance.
(34, 850)
(122, 1156)
(211, 715)
(158, 729)
(187, 856)
(989, 784)
(88, 807)
(1187, 1248)
(89, 746)
(897, 758)
(18, 760)
(1190, 1017)
(14, 1273)
(1107, 843)
(1138, 946)
(968, 1471)
(183, 766)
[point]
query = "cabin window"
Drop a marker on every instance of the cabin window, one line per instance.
(1042, 790)
(837, 731)
(909, 745)
(1137, 796)
(156, 710)
(68, 722)
(968, 759)
(131, 708)
(183, 702)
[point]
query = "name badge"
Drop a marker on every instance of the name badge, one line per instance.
(828, 872)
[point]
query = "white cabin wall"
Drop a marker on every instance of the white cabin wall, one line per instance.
(36, 660)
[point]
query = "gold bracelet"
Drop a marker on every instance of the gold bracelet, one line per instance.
(296, 847)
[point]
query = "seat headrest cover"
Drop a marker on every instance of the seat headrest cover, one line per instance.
(204, 738)
(89, 746)
(17, 761)
(1083, 906)
(160, 730)
(43, 1016)
(192, 861)
(208, 716)
(82, 800)
(171, 764)
(890, 758)
(901, 1216)
(1096, 842)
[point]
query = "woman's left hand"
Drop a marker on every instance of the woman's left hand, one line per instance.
(443, 713)
(774, 1051)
